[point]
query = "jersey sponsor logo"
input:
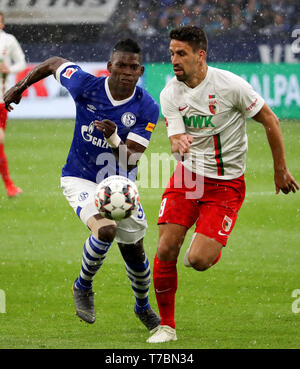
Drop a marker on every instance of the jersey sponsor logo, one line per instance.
(150, 127)
(226, 224)
(69, 72)
(86, 133)
(128, 119)
(91, 127)
(198, 121)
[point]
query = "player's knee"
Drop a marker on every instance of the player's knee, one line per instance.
(107, 233)
(199, 262)
(167, 251)
(133, 253)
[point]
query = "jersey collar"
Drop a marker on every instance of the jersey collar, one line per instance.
(111, 99)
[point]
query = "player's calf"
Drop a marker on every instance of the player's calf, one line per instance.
(138, 271)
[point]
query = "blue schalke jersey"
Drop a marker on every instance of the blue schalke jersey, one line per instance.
(90, 157)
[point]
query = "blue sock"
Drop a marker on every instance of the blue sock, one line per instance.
(140, 278)
(94, 253)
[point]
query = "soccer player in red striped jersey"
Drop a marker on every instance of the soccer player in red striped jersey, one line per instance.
(205, 110)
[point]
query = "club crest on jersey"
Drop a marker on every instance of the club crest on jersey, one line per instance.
(227, 222)
(83, 196)
(128, 119)
(69, 72)
(212, 104)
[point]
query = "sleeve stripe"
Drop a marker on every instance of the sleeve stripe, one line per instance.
(139, 139)
(60, 69)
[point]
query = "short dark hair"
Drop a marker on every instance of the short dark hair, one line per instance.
(194, 36)
(127, 45)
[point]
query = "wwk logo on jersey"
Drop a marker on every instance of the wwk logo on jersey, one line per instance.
(198, 121)
(69, 72)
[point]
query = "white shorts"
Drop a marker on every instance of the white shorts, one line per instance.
(80, 195)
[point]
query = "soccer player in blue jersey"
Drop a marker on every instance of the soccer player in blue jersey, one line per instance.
(114, 122)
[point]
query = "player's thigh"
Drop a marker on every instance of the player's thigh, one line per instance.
(102, 228)
(218, 212)
(80, 195)
(177, 214)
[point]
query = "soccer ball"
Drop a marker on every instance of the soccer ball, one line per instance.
(116, 197)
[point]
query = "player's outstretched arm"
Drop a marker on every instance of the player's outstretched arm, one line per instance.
(41, 71)
(283, 179)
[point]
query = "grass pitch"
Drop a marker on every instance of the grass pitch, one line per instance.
(245, 301)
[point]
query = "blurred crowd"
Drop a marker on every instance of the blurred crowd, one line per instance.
(265, 17)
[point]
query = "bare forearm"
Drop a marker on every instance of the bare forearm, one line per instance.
(126, 158)
(283, 179)
(40, 72)
(275, 140)
(45, 69)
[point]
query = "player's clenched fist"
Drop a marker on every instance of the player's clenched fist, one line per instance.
(181, 143)
(13, 95)
(106, 126)
(184, 144)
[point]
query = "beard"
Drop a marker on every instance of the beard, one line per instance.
(181, 77)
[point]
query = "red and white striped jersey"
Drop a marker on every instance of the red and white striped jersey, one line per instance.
(214, 113)
(12, 55)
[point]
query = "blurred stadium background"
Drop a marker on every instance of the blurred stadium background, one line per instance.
(260, 33)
